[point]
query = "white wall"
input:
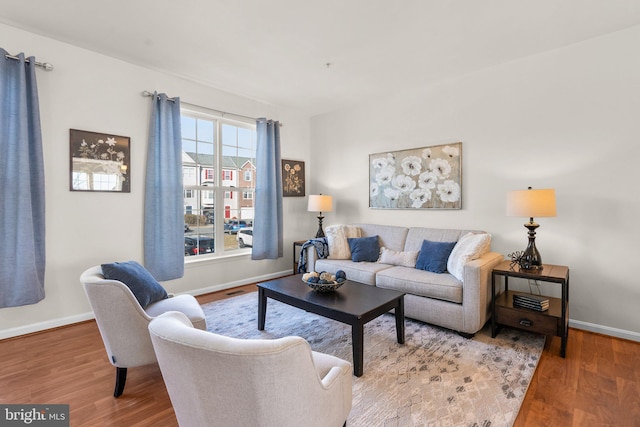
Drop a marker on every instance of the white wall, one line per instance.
(93, 92)
(566, 119)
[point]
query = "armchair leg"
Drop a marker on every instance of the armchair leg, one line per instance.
(121, 379)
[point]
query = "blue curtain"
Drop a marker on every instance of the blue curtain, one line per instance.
(267, 222)
(163, 202)
(22, 204)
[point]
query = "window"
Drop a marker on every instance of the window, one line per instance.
(215, 211)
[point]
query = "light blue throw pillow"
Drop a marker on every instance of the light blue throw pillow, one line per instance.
(434, 256)
(143, 285)
(364, 248)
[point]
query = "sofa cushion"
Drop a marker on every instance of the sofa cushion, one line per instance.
(422, 283)
(389, 236)
(470, 246)
(417, 235)
(434, 255)
(405, 259)
(337, 240)
(364, 249)
(363, 272)
(143, 285)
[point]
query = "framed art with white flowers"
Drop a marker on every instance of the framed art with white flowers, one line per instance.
(418, 178)
(99, 162)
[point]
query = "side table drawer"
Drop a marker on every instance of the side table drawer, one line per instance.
(527, 320)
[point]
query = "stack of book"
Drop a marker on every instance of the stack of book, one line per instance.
(533, 302)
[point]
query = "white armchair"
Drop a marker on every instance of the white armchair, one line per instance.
(216, 380)
(123, 323)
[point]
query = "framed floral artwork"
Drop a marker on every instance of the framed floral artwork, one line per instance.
(99, 162)
(292, 178)
(419, 178)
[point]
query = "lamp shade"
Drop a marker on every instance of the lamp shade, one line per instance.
(531, 203)
(320, 203)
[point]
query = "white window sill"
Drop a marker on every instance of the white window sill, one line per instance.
(213, 258)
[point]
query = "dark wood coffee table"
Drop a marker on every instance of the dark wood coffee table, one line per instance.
(354, 304)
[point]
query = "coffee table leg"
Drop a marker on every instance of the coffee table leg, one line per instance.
(400, 320)
(357, 335)
(262, 308)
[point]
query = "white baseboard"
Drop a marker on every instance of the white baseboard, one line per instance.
(64, 321)
(42, 326)
(605, 330)
(237, 283)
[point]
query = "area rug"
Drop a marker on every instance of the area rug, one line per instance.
(436, 378)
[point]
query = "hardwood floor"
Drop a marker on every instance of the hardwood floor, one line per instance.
(598, 384)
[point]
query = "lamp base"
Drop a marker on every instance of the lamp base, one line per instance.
(320, 232)
(531, 259)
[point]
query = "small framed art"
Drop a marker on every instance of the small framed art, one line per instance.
(292, 178)
(99, 162)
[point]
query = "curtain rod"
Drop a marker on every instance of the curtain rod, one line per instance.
(147, 93)
(47, 66)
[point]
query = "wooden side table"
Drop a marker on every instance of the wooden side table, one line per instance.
(297, 243)
(554, 321)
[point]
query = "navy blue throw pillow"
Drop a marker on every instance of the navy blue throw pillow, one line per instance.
(144, 286)
(434, 256)
(364, 248)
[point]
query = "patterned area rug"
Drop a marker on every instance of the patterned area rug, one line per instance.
(437, 378)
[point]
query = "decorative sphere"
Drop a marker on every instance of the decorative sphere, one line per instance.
(326, 276)
(340, 274)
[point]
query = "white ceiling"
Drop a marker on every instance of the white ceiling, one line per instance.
(277, 51)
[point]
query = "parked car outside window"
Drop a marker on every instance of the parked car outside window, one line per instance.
(234, 225)
(198, 245)
(245, 237)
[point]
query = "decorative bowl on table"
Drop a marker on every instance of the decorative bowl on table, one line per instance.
(324, 282)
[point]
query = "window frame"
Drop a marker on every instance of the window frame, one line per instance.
(220, 190)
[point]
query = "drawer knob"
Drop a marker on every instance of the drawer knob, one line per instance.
(526, 322)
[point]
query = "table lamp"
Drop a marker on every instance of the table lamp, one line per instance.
(319, 203)
(531, 203)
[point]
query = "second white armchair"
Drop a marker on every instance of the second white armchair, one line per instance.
(215, 380)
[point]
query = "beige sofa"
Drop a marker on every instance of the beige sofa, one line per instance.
(461, 304)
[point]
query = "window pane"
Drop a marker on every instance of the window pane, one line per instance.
(238, 213)
(188, 127)
(205, 130)
(199, 218)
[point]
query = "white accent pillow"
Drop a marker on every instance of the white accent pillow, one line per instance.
(470, 246)
(405, 259)
(337, 236)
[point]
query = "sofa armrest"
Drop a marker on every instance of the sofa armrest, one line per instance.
(476, 291)
(312, 256)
